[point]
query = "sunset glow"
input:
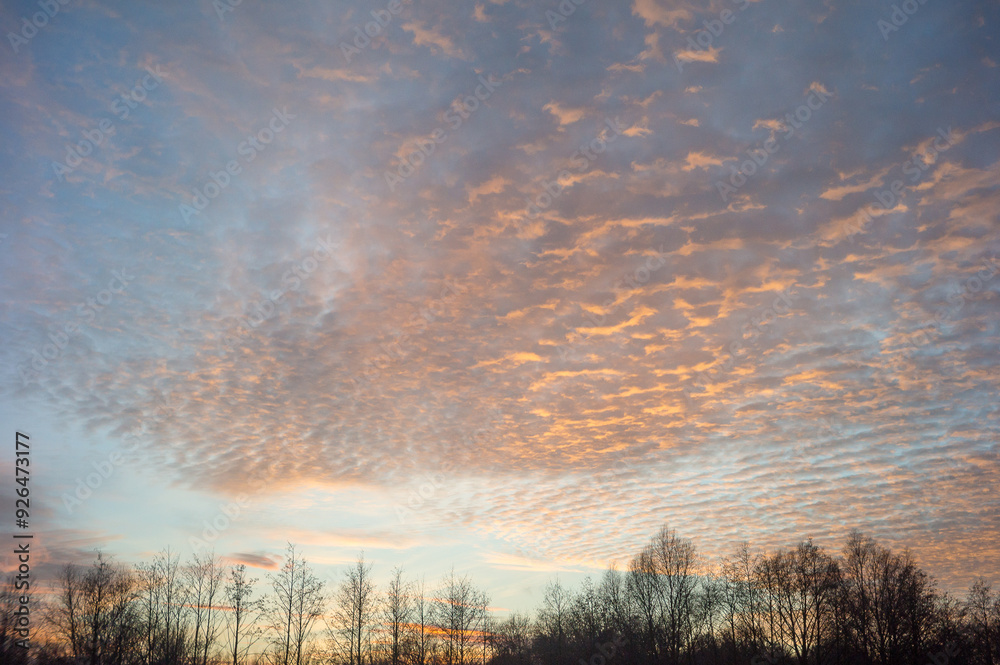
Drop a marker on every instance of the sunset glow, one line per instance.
(504, 286)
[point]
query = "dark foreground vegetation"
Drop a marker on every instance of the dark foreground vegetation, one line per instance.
(863, 605)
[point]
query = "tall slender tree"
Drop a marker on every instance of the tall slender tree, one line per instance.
(294, 608)
(354, 615)
(553, 623)
(397, 616)
(204, 577)
(423, 639)
(982, 607)
(674, 560)
(460, 615)
(243, 628)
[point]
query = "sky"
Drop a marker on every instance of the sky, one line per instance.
(502, 285)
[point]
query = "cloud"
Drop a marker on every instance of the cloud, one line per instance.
(701, 55)
(839, 192)
(494, 185)
(572, 379)
(564, 116)
(262, 561)
(423, 35)
(333, 74)
(667, 13)
(504, 561)
(698, 160)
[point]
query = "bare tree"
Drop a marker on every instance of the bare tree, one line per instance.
(742, 600)
(872, 607)
(295, 607)
(512, 641)
(674, 561)
(397, 615)
(554, 622)
(109, 594)
(982, 608)
(460, 614)
(243, 629)
(587, 617)
(486, 625)
(94, 612)
(203, 577)
(803, 585)
(66, 613)
(889, 602)
(354, 615)
(644, 595)
(149, 588)
(423, 640)
(173, 640)
(622, 615)
(161, 598)
(709, 611)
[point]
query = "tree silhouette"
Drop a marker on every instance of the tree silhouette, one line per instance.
(354, 615)
(243, 628)
(294, 609)
(204, 580)
(801, 606)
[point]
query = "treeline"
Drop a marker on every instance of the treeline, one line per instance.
(863, 605)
